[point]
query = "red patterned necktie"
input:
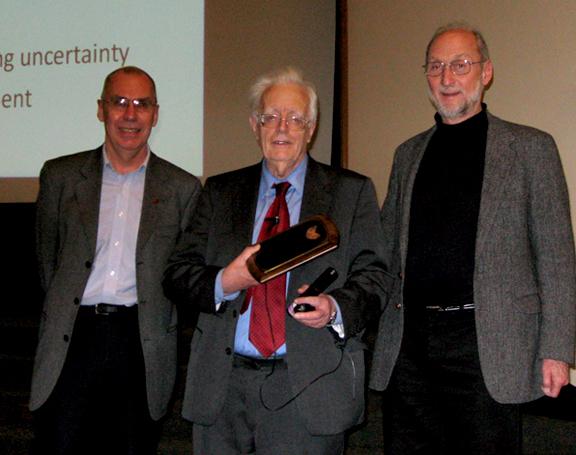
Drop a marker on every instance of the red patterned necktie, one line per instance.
(268, 317)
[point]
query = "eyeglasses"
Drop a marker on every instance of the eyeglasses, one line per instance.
(292, 121)
(457, 67)
(120, 103)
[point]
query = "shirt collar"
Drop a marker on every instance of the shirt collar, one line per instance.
(296, 178)
(108, 164)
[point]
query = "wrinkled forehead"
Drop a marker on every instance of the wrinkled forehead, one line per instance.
(454, 44)
(285, 98)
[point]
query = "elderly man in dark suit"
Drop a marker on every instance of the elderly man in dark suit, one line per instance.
(477, 229)
(107, 221)
(294, 383)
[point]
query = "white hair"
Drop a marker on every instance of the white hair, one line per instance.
(288, 75)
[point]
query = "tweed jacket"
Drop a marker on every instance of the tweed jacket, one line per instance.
(524, 275)
(67, 226)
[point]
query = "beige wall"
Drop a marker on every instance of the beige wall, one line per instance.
(533, 48)
(245, 38)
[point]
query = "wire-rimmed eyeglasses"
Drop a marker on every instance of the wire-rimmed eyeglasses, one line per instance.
(458, 67)
(121, 103)
(292, 121)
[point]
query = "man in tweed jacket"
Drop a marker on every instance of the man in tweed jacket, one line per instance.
(107, 221)
(477, 229)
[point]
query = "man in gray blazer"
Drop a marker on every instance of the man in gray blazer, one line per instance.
(300, 395)
(107, 221)
(477, 229)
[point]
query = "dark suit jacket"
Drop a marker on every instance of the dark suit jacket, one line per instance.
(67, 226)
(222, 227)
(524, 275)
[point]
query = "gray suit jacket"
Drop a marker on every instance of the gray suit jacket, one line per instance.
(524, 276)
(329, 374)
(67, 226)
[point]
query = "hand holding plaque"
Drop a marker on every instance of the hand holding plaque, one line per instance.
(297, 245)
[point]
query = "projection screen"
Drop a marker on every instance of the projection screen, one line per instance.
(55, 55)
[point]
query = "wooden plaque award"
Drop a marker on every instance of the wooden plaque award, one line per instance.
(295, 246)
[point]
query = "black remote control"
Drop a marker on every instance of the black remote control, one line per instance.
(320, 284)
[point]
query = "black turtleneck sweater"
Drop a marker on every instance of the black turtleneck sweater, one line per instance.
(444, 215)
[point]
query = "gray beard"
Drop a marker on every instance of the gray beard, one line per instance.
(457, 111)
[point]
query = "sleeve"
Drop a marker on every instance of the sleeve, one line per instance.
(551, 239)
(390, 221)
(188, 279)
(368, 280)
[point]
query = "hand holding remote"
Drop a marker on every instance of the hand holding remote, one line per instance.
(317, 287)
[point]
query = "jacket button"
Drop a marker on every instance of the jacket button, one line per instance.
(400, 275)
(76, 301)
(88, 264)
(398, 306)
(228, 351)
(66, 338)
(234, 314)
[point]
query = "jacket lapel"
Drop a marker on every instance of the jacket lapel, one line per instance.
(88, 196)
(316, 199)
(156, 194)
(500, 156)
(317, 190)
(408, 185)
(243, 210)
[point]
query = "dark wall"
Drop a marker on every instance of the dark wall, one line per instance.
(18, 273)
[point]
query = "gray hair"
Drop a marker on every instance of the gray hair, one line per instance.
(461, 26)
(288, 75)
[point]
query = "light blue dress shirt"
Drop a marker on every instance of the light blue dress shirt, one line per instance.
(266, 195)
(113, 276)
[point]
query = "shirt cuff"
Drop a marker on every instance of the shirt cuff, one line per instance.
(338, 325)
(219, 295)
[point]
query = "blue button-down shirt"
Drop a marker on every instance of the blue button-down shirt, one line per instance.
(113, 276)
(266, 195)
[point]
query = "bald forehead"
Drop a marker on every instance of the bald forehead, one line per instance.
(128, 78)
(286, 96)
(455, 43)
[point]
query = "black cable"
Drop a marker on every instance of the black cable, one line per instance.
(341, 348)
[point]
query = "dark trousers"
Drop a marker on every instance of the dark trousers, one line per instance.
(437, 402)
(259, 418)
(99, 404)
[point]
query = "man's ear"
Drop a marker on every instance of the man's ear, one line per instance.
(254, 125)
(311, 130)
(156, 114)
(487, 72)
(100, 111)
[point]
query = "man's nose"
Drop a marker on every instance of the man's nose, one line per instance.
(447, 76)
(130, 111)
(282, 124)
